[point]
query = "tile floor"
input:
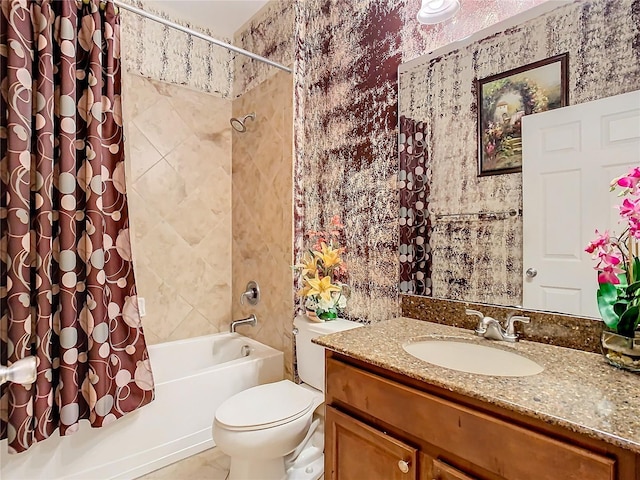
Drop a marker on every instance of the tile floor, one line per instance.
(211, 464)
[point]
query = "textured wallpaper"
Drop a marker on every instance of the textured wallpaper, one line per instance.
(162, 53)
(346, 126)
(269, 33)
(481, 260)
(346, 143)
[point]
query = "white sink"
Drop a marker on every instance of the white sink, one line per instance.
(471, 357)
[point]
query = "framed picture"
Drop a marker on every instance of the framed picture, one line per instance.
(503, 100)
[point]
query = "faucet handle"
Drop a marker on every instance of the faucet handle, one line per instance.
(252, 294)
(481, 328)
(468, 311)
(511, 330)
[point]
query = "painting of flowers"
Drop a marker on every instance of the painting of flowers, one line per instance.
(504, 99)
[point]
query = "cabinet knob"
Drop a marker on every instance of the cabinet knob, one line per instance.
(403, 465)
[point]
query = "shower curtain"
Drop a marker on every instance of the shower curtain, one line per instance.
(415, 224)
(68, 293)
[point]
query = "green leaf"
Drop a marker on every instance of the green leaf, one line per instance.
(609, 292)
(628, 321)
(620, 307)
(623, 280)
(633, 288)
(607, 297)
(636, 269)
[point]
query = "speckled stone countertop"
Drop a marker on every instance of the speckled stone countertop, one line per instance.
(577, 390)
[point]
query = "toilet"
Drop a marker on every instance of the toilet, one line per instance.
(270, 431)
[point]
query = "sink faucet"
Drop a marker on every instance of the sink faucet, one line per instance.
(490, 328)
(251, 320)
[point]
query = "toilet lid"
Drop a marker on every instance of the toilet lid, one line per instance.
(265, 406)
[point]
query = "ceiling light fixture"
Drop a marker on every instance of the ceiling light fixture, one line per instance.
(436, 11)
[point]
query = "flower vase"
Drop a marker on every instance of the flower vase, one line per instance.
(620, 351)
(322, 317)
(326, 316)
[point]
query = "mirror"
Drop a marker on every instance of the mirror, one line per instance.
(461, 234)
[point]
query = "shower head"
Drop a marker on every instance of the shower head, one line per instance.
(239, 125)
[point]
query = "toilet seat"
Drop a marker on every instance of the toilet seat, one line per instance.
(265, 406)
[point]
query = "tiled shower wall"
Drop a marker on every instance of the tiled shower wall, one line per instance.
(179, 179)
(262, 176)
(179, 144)
(179, 186)
(262, 211)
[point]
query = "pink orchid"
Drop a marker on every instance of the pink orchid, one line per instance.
(634, 227)
(609, 274)
(630, 180)
(608, 267)
(630, 208)
(601, 242)
(607, 259)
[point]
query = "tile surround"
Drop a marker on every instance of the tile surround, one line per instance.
(179, 184)
(262, 217)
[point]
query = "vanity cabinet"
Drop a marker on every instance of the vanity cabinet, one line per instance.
(386, 457)
(383, 425)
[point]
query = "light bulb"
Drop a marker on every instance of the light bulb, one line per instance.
(436, 11)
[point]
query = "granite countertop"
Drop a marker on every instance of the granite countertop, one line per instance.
(577, 390)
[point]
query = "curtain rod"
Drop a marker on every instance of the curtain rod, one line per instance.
(202, 36)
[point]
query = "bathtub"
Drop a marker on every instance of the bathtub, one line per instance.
(193, 377)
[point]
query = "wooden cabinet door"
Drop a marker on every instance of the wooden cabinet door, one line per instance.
(444, 471)
(356, 451)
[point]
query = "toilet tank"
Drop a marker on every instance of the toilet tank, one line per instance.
(309, 356)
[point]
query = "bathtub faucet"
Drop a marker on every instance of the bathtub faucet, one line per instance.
(251, 320)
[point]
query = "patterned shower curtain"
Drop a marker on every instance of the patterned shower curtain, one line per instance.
(68, 293)
(415, 224)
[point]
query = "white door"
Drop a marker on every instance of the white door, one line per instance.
(569, 157)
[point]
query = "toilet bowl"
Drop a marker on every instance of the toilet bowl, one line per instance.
(259, 426)
(262, 428)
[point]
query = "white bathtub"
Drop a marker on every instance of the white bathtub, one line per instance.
(193, 377)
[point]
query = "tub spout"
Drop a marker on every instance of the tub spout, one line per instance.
(251, 320)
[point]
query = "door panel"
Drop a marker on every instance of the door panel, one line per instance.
(569, 157)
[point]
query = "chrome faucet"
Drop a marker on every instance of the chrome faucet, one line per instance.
(251, 320)
(490, 328)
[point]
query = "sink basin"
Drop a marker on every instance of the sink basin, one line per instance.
(472, 357)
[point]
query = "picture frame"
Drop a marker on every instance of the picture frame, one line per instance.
(503, 99)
